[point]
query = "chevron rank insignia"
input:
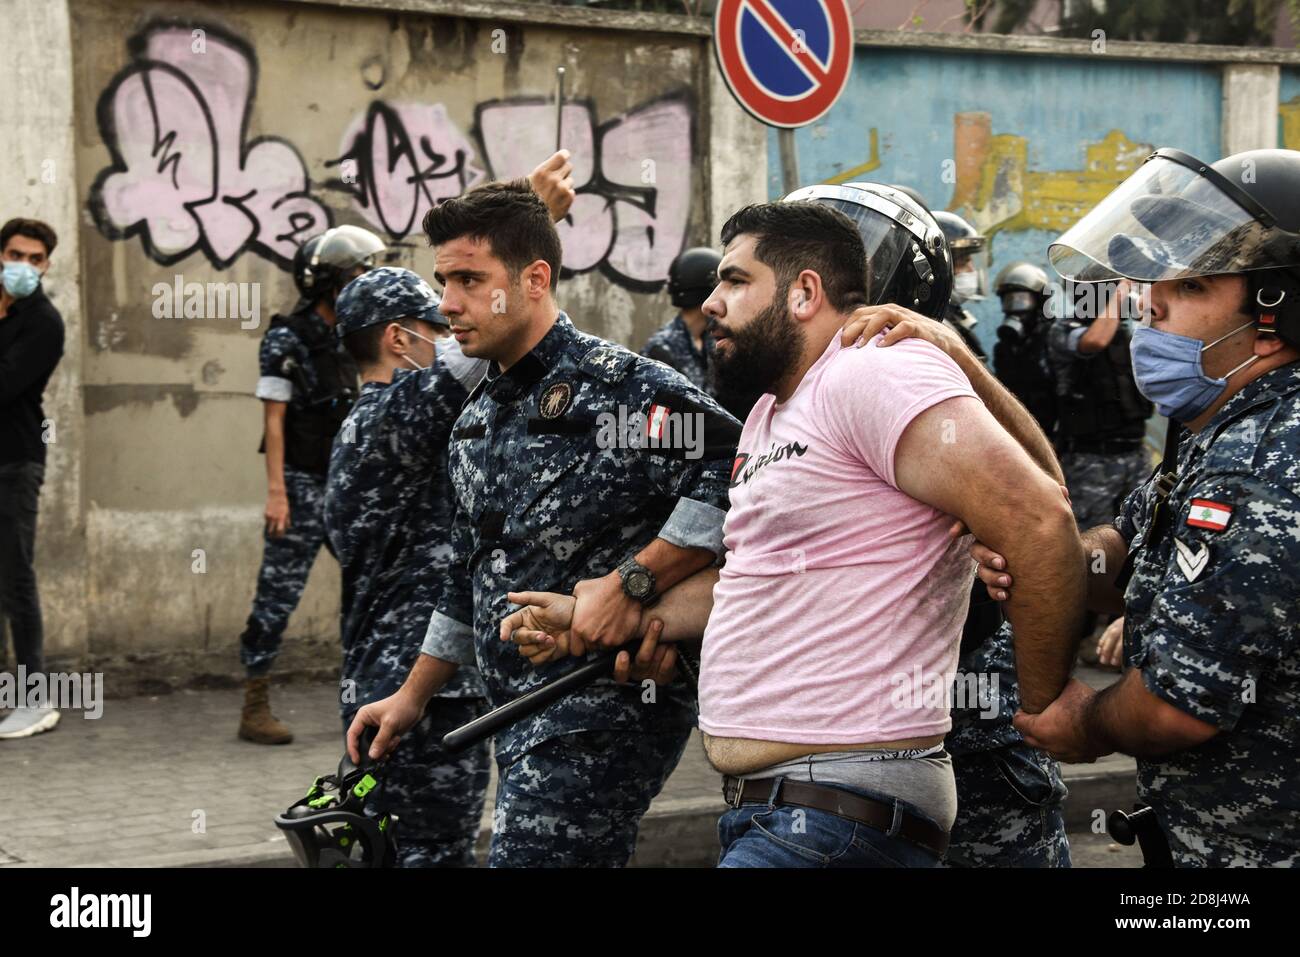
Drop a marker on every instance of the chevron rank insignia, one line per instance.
(1191, 561)
(1206, 514)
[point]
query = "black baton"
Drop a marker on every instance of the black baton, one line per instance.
(458, 739)
(1143, 827)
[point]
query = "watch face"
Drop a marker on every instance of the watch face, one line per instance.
(638, 584)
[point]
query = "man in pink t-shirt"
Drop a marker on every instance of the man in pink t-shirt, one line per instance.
(838, 612)
(833, 630)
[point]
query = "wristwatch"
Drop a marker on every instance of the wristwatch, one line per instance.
(638, 582)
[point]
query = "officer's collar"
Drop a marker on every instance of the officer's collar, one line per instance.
(532, 368)
(1271, 385)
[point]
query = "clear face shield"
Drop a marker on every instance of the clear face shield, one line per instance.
(1174, 218)
(878, 221)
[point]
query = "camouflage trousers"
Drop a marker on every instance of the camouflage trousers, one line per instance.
(1099, 483)
(1009, 810)
(286, 562)
(577, 799)
(437, 796)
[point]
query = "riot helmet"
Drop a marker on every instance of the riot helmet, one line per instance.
(692, 276)
(322, 265)
(1024, 290)
(969, 249)
(1179, 218)
(907, 256)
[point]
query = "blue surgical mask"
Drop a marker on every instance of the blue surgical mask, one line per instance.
(1167, 370)
(21, 279)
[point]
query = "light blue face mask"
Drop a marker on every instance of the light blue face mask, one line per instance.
(1167, 370)
(21, 279)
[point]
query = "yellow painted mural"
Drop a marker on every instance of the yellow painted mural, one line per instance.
(996, 190)
(873, 162)
(1290, 113)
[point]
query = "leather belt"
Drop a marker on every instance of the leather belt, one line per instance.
(852, 807)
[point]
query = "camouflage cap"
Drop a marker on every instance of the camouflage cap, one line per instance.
(386, 294)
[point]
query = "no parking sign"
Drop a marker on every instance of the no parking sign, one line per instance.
(786, 61)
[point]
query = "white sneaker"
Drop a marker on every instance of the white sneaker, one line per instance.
(25, 722)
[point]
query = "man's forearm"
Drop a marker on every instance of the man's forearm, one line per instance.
(275, 455)
(1012, 415)
(428, 676)
(1046, 606)
(1105, 552)
(684, 609)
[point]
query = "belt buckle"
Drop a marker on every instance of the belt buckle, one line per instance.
(737, 787)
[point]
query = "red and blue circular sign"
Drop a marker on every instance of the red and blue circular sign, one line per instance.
(786, 61)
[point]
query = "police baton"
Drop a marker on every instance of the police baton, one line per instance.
(1141, 826)
(480, 729)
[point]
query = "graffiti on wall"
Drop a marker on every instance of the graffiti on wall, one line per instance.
(996, 190)
(401, 159)
(185, 177)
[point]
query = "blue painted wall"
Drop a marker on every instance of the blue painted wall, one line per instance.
(1060, 106)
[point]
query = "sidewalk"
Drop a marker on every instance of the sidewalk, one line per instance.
(132, 788)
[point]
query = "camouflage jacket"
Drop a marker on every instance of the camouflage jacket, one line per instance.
(673, 346)
(556, 483)
(388, 512)
(1212, 619)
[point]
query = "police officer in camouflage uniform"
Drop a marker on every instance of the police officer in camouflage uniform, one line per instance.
(682, 343)
(574, 472)
(307, 386)
(969, 276)
(388, 510)
(1101, 415)
(1210, 698)
(1009, 796)
(1020, 354)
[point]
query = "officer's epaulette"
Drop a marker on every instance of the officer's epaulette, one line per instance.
(607, 363)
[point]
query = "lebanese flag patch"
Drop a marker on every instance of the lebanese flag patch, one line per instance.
(657, 421)
(1207, 514)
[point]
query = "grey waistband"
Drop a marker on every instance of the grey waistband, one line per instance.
(920, 776)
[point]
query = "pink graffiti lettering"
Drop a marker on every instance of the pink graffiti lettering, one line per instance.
(183, 177)
(400, 159)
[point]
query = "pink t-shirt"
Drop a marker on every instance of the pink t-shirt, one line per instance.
(837, 586)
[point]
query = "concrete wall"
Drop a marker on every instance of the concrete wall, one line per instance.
(210, 139)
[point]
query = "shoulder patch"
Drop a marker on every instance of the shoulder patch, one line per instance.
(608, 363)
(1206, 514)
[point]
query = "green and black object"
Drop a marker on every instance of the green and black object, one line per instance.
(337, 823)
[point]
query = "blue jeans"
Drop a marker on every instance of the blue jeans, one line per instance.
(783, 835)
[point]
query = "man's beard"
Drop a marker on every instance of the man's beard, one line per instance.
(760, 354)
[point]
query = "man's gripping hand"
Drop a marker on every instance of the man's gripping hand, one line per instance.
(393, 716)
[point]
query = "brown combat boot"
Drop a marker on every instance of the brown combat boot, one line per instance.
(257, 724)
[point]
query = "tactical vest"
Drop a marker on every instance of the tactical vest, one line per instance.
(1098, 398)
(1022, 367)
(311, 424)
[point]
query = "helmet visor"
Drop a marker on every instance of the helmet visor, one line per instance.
(885, 243)
(1166, 221)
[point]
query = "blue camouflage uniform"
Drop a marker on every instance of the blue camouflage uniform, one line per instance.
(1212, 621)
(672, 345)
(555, 484)
(388, 510)
(1009, 795)
(285, 367)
